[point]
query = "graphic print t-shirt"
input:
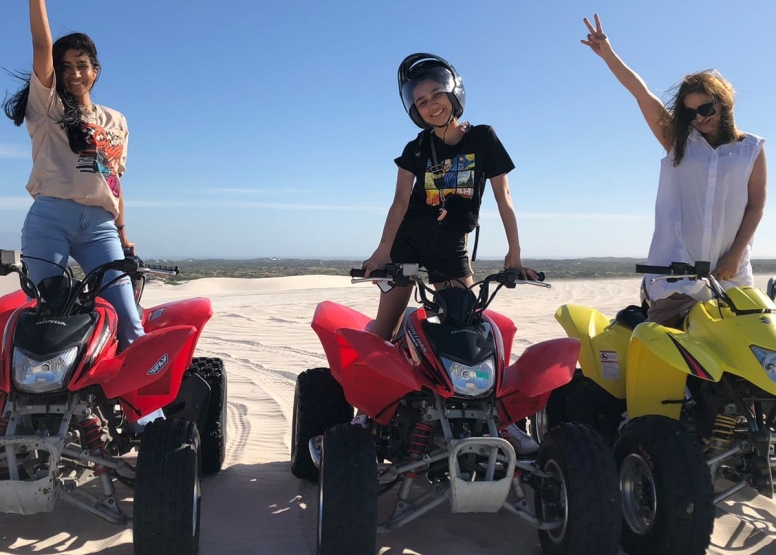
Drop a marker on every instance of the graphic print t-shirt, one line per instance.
(457, 181)
(91, 177)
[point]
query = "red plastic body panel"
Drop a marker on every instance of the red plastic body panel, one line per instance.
(434, 366)
(102, 343)
(374, 374)
(193, 312)
(147, 375)
(12, 301)
(8, 321)
(328, 318)
(528, 382)
(507, 328)
(144, 377)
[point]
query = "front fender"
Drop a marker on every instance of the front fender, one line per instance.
(194, 312)
(659, 361)
(604, 345)
(146, 375)
(330, 317)
(583, 323)
(374, 375)
(528, 382)
(730, 338)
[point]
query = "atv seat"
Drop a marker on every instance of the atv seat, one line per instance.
(631, 316)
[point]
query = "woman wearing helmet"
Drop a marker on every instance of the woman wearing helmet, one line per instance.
(439, 188)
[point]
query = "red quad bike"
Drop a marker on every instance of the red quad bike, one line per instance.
(72, 404)
(432, 404)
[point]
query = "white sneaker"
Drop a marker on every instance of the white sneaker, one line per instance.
(521, 441)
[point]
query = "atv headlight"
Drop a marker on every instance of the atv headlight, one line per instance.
(767, 359)
(41, 376)
(471, 381)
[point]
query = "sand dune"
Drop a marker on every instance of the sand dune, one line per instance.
(261, 328)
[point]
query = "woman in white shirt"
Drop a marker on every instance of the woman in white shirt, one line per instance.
(712, 186)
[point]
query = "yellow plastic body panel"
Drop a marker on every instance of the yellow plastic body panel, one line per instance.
(728, 337)
(604, 348)
(714, 341)
(749, 298)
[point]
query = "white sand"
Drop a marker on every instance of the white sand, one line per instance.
(261, 328)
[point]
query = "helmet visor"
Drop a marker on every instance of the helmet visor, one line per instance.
(425, 83)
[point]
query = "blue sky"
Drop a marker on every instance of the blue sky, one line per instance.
(269, 128)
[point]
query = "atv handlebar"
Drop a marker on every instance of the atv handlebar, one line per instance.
(700, 269)
(83, 292)
(406, 274)
(132, 264)
(160, 270)
(393, 273)
(681, 270)
(508, 278)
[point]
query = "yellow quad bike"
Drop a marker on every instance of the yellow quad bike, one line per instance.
(690, 411)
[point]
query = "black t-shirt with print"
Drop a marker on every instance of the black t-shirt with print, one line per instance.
(457, 182)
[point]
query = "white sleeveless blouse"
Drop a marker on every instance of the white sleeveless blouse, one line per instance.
(699, 209)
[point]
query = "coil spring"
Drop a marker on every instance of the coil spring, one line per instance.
(722, 434)
(419, 442)
(92, 435)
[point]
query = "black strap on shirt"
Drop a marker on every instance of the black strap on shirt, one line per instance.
(435, 163)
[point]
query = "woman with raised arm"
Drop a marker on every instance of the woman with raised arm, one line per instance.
(79, 152)
(712, 188)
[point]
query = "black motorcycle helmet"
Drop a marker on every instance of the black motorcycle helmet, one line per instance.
(427, 67)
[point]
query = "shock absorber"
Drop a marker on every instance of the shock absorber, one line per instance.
(721, 434)
(421, 437)
(91, 428)
(419, 442)
(4, 420)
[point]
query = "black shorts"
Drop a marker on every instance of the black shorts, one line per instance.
(439, 250)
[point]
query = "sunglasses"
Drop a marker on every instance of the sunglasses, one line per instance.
(705, 110)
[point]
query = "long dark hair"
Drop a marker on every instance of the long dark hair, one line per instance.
(677, 121)
(16, 106)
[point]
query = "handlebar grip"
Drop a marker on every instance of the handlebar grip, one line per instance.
(164, 268)
(513, 275)
(360, 272)
(647, 269)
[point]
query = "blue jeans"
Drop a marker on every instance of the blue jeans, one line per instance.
(56, 229)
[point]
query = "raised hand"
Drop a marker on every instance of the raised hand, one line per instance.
(596, 38)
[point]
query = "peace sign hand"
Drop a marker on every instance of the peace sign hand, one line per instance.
(596, 39)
